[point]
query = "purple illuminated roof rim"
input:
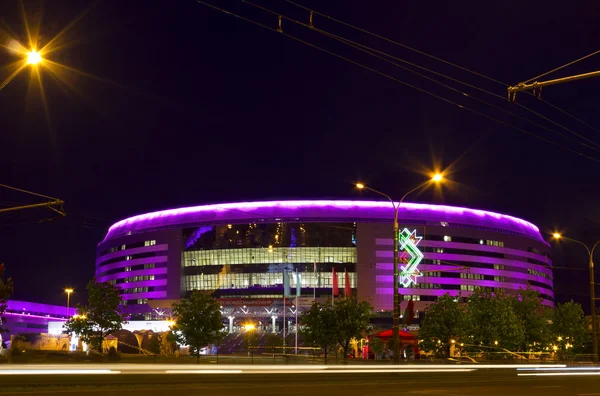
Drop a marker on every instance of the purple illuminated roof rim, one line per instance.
(319, 209)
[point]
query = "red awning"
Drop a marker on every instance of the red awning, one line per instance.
(388, 334)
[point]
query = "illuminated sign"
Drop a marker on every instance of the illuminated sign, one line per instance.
(411, 256)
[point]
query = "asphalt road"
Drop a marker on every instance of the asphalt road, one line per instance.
(487, 382)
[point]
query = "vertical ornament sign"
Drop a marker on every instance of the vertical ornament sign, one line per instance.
(410, 256)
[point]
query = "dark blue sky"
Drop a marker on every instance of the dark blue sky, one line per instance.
(197, 106)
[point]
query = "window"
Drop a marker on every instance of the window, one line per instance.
(495, 243)
(150, 243)
(471, 276)
(447, 238)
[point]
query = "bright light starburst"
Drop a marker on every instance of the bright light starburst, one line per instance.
(33, 57)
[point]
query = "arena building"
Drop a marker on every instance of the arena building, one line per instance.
(248, 254)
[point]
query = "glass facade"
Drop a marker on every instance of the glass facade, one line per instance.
(253, 259)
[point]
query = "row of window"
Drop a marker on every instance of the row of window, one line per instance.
(128, 246)
(270, 256)
(265, 280)
(538, 273)
(253, 235)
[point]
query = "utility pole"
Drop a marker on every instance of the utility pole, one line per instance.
(536, 86)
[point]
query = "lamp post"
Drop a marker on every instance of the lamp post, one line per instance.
(396, 312)
(68, 291)
(590, 252)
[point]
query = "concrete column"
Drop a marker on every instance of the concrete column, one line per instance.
(274, 324)
(231, 324)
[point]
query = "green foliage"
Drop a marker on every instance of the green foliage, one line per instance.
(569, 328)
(376, 345)
(352, 320)
(494, 322)
(319, 327)
(445, 320)
(155, 344)
(324, 325)
(100, 318)
(198, 322)
(535, 317)
(6, 289)
(517, 323)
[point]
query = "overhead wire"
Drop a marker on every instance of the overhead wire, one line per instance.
(568, 114)
(396, 43)
(373, 52)
(398, 80)
(27, 192)
(455, 65)
(562, 67)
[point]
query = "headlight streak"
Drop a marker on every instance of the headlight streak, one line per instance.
(311, 371)
(56, 372)
(555, 374)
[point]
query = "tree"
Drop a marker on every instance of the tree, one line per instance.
(376, 345)
(101, 317)
(445, 321)
(198, 322)
(351, 320)
(319, 327)
(535, 317)
(569, 328)
(6, 289)
(155, 345)
(493, 321)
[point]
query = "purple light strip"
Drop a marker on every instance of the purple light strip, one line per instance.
(132, 251)
(387, 280)
(475, 259)
(351, 209)
(130, 263)
(25, 315)
(133, 296)
(385, 269)
(385, 304)
(26, 306)
(471, 246)
(119, 275)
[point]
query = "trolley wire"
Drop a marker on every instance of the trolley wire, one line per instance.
(328, 17)
(396, 80)
(373, 52)
(396, 43)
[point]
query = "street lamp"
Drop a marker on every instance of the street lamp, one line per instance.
(33, 57)
(68, 291)
(436, 178)
(590, 252)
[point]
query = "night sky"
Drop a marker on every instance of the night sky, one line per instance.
(179, 104)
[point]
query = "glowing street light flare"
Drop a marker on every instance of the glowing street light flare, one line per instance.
(360, 186)
(33, 57)
(249, 327)
(438, 177)
(556, 235)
